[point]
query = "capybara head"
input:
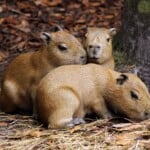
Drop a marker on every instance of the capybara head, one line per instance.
(64, 48)
(131, 97)
(99, 44)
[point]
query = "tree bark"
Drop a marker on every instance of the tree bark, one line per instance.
(136, 35)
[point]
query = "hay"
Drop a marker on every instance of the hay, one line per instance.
(23, 133)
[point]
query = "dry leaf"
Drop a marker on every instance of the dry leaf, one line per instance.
(85, 2)
(21, 46)
(24, 26)
(3, 56)
(82, 20)
(121, 125)
(47, 2)
(108, 16)
(95, 4)
(31, 133)
(2, 20)
(35, 134)
(54, 2)
(127, 127)
(125, 139)
(75, 129)
(74, 6)
(3, 124)
(11, 20)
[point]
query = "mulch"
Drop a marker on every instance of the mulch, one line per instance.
(19, 132)
(22, 21)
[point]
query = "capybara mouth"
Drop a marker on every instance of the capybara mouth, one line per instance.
(93, 60)
(84, 61)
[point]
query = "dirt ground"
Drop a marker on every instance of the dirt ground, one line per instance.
(19, 132)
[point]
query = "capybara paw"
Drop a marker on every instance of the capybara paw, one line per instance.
(77, 121)
(107, 116)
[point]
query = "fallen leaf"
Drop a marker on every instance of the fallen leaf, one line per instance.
(1, 20)
(1, 9)
(3, 56)
(54, 2)
(47, 2)
(127, 127)
(95, 4)
(3, 124)
(85, 2)
(108, 16)
(74, 6)
(35, 134)
(24, 6)
(31, 133)
(11, 20)
(24, 26)
(121, 125)
(21, 46)
(75, 129)
(80, 20)
(125, 139)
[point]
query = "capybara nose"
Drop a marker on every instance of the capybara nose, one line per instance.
(83, 59)
(94, 52)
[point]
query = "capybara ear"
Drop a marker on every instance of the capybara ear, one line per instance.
(46, 37)
(122, 79)
(88, 29)
(113, 31)
(57, 28)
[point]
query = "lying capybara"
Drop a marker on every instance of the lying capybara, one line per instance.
(68, 93)
(24, 72)
(98, 44)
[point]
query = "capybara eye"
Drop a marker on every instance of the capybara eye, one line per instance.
(62, 47)
(134, 95)
(90, 46)
(146, 113)
(98, 47)
(108, 39)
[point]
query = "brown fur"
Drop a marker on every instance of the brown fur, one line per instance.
(25, 71)
(98, 44)
(70, 92)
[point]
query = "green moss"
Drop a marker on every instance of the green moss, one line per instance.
(119, 59)
(119, 54)
(144, 6)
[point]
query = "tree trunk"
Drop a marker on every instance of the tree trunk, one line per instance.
(136, 35)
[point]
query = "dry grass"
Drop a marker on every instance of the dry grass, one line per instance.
(23, 133)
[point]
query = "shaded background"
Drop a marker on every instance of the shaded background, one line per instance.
(21, 21)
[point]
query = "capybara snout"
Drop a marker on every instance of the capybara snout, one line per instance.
(131, 97)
